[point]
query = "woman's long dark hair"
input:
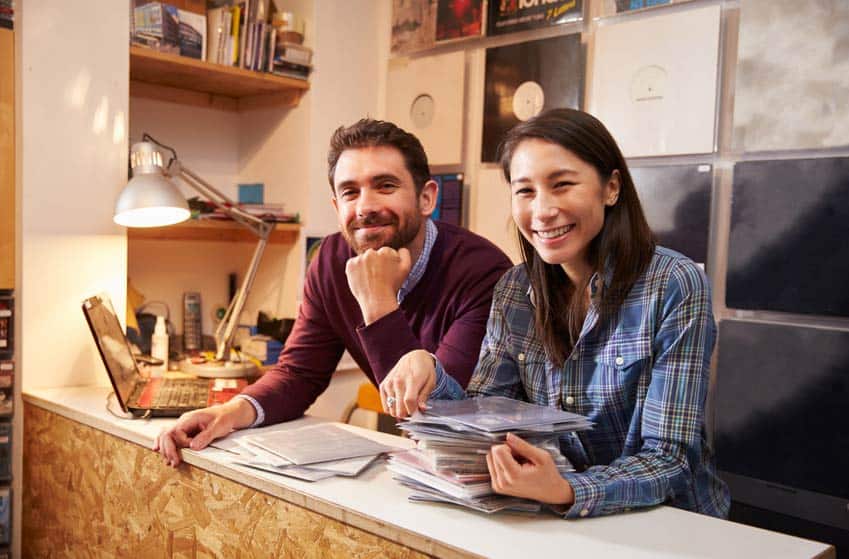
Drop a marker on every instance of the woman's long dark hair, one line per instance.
(625, 244)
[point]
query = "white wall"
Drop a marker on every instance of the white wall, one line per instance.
(285, 149)
(73, 163)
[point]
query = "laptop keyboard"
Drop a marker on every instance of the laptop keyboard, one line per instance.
(181, 393)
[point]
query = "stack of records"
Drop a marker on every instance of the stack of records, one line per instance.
(453, 437)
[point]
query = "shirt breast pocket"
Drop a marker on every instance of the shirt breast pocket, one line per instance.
(623, 366)
(532, 363)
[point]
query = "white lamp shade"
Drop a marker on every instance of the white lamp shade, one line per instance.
(150, 200)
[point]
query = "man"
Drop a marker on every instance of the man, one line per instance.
(391, 282)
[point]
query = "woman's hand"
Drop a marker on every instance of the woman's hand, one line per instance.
(407, 386)
(520, 469)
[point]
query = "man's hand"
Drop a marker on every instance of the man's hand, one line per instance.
(196, 429)
(407, 386)
(375, 277)
(520, 469)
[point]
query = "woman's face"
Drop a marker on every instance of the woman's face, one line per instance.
(558, 201)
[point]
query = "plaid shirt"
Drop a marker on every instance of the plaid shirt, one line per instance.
(642, 378)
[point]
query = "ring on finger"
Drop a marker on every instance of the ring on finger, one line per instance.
(390, 401)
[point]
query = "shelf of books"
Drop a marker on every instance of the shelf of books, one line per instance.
(213, 230)
(180, 79)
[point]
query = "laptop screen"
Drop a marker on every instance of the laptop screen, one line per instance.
(113, 345)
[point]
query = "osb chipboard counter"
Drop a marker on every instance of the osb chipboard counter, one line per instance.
(93, 486)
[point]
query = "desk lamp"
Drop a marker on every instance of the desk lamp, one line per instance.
(151, 199)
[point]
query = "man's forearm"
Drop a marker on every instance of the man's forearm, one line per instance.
(242, 412)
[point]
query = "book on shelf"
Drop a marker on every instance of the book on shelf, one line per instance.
(157, 26)
(192, 34)
(291, 52)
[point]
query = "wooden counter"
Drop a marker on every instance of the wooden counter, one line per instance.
(92, 486)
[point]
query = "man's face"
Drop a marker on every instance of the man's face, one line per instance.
(375, 199)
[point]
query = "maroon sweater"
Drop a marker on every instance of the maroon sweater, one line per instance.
(445, 313)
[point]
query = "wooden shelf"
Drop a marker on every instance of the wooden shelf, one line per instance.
(179, 79)
(211, 230)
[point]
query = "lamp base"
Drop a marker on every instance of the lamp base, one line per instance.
(219, 369)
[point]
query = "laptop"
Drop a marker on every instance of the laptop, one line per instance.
(155, 397)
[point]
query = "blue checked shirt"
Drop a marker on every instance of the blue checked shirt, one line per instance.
(642, 379)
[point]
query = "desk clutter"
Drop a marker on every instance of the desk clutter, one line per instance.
(453, 437)
(309, 452)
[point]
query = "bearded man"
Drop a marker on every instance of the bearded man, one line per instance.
(393, 281)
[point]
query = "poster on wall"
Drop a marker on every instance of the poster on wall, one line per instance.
(458, 19)
(413, 26)
(524, 79)
(427, 100)
(507, 16)
(792, 75)
(654, 82)
(787, 248)
(676, 200)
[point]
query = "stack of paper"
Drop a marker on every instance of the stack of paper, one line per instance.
(308, 453)
(453, 437)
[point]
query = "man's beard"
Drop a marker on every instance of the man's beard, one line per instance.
(402, 236)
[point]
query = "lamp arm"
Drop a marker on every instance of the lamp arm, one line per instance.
(218, 198)
(227, 327)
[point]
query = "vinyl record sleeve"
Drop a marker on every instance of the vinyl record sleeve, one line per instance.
(781, 407)
(611, 7)
(507, 16)
(425, 97)
(527, 78)
(413, 25)
(792, 75)
(787, 249)
(655, 79)
(676, 200)
(459, 19)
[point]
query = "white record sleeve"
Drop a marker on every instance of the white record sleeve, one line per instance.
(654, 82)
(425, 97)
(792, 82)
(493, 219)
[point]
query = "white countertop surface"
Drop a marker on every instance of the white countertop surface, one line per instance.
(378, 504)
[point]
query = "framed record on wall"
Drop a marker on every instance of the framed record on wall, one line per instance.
(524, 79)
(413, 26)
(458, 19)
(507, 16)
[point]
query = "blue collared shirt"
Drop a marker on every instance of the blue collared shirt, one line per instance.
(413, 278)
(419, 267)
(641, 377)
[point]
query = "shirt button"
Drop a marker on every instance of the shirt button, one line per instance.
(570, 400)
(585, 512)
(619, 361)
(521, 357)
(575, 356)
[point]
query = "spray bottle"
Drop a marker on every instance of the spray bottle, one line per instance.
(159, 346)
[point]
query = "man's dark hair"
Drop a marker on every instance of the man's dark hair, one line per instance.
(368, 132)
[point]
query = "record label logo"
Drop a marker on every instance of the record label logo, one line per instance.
(649, 84)
(421, 111)
(528, 100)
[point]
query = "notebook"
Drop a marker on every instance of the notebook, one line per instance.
(159, 397)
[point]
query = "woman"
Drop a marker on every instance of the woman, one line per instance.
(597, 321)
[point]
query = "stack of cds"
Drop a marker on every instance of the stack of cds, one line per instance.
(453, 437)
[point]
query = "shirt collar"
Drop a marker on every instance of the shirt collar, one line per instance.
(419, 267)
(608, 277)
